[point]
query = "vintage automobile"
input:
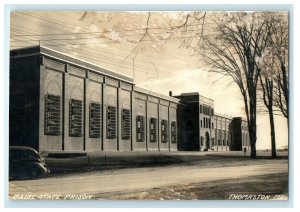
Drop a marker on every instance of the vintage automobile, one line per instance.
(25, 162)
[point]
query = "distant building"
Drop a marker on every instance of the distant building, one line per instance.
(62, 104)
(201, 129)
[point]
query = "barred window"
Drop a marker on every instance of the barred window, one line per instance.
(75, 118)
(125, 124)
(111, 122)
(52, 115)
(153, 129)
(164, 131)
(173, 132)
(95, 120)
(140, 128)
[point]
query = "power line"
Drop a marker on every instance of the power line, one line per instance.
(115, 61)
(88, 44)
(97, 50)
(124, 30)
(109, 42)
(106, 52)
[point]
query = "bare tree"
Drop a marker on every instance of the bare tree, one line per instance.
(229, 45)
(279, 42)
(267, 66)
(272, 65)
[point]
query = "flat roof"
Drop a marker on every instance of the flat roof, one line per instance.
(35, 50)
(154, 94)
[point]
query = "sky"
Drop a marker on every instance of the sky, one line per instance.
(116, 41)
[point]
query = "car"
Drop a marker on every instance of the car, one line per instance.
(26, 162)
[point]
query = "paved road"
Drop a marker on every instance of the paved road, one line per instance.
(123, 180)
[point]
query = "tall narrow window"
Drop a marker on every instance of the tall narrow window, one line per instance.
(204, 123)
(201, 109)
(164, 131)
(153, 129)
(140, 128)
(75, 118)
(95, 120)
(125, 124)
(111, 122)
(173, 132)
(219, 137)
(52, 115)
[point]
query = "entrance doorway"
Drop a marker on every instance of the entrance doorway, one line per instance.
(207, 140)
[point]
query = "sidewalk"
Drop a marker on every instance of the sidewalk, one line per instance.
(95, 161)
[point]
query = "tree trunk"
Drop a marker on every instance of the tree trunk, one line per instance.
(252, 121)
(273, 140)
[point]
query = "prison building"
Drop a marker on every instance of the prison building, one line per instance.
(223, 132)
(201, 129)
(240, 135)
(61, 104)
(195, 122)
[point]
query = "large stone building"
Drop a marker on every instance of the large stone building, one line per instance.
(201, 129)
(62, 104)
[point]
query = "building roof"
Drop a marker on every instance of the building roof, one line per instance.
(35, 50)
(154, 94)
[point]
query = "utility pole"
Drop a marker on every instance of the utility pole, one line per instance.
(133, 74)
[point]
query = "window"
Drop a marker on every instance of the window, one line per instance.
(164, 131)
(52, 115)
(111, 122)
(212, 112)
(173, 132)
(219, 137)
(95, 120)
(75, 118)
(206, 110)
(223, 142)
(201, 110)
(125, 124)
(204, 122)
(140, 128)
(201, 123)
(153, 129)
(212, 125)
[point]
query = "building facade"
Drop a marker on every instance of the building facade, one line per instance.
(62, 104)
(201, 129)
(59, 103)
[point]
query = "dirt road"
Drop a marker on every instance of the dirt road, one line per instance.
(94, 185)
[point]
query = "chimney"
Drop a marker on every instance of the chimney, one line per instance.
(170, 93)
